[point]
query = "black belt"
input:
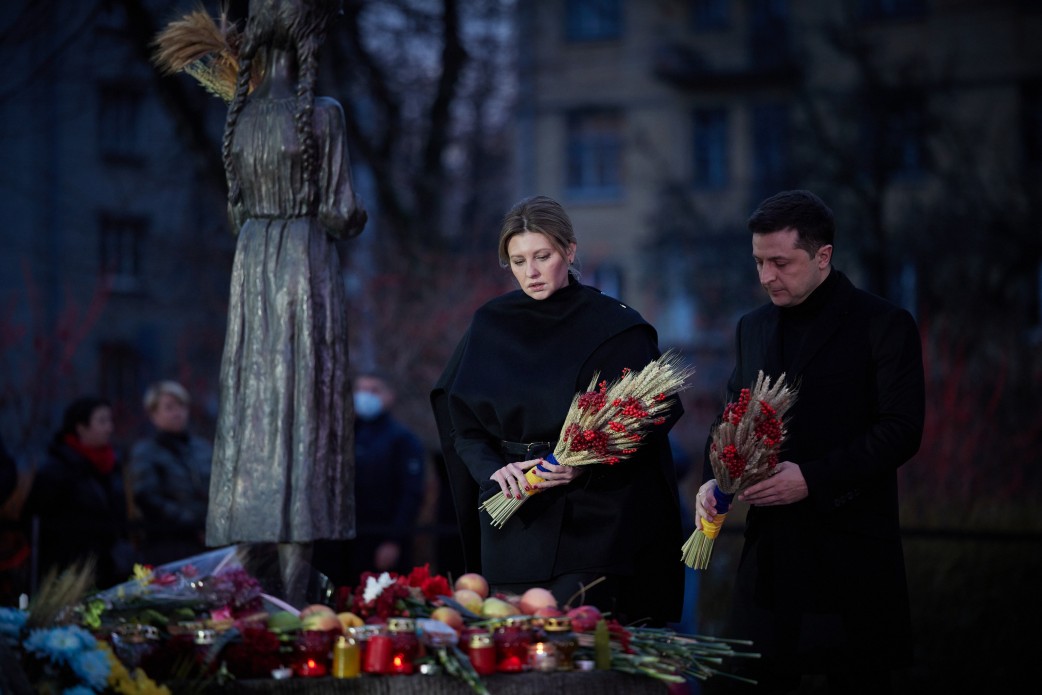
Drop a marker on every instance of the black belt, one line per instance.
(522, 449)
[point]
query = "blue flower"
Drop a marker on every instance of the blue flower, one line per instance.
(59, 644)
(78, 690)
(93, 667)
(12, 621)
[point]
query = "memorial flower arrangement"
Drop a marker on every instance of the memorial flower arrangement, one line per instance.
(199, 625)
(606, 423)
(743, 451)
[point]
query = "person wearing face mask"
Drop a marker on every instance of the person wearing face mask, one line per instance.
(76, 504)
(500, 405)
(170, 478)
(389, 470)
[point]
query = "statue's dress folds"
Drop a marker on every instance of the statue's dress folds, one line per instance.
(283, 455)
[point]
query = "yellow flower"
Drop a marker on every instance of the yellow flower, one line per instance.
(121, 681)
(143, 573)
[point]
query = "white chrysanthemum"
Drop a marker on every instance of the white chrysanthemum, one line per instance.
(374, 586)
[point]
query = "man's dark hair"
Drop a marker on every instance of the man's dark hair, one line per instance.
(799, 210)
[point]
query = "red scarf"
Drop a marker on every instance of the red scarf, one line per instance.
(103, 458)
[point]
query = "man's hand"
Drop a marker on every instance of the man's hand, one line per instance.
(784, 487)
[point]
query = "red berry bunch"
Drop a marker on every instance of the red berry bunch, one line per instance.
(734, 412)
(768, 426)
(593, 399)
(733, 460)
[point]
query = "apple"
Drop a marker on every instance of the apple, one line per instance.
(536, 598)
(497, 608)
(469, 599)
(473, 581)
(584, 618)
(448, 615)
(319, 617)
(316, 609)
(548, 612)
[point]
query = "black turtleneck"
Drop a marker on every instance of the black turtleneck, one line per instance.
(796, 320)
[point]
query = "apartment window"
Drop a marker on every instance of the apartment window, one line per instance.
(892, 9)
(119, 115)
(120, 253)
(594, 158)
(770, 124)
(769, 33)
(710, 15)
(119, 373)
(712, 147)
(1031, 119)
(593, 20)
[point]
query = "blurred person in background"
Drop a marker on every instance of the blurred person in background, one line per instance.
(389, 466)
(821, 586)
(76, 504)
(501, 403)
(169, 476)
(8, 473)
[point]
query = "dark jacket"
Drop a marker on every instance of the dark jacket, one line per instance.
(389, 472)
(8, 473)
(821, 583)
(512, 378)
(81, 513)
(170, 479)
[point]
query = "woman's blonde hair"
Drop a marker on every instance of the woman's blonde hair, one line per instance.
(156, 391)
(541, 214)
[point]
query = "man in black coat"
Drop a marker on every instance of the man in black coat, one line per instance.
(821, 582)
(390, 465)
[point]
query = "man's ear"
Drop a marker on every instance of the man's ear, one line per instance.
(824, 255)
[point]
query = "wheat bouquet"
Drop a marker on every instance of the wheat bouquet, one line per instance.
(743, 452)
(606, 423)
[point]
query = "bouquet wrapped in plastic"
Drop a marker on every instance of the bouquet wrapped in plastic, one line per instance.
(607, 422)
(743, 452)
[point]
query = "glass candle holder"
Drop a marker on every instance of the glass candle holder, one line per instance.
(482, 653)
(542, 656)
(512, 638)
(312, 654)
(378, 653)
(559, 633)
(347, 662)
(405, 646)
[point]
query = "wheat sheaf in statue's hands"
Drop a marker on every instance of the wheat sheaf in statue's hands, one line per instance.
(607, 423)
(743, 451)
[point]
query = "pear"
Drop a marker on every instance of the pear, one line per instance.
(497, 608)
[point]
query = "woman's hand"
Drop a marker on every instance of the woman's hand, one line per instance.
(512, 481)
(705, 502)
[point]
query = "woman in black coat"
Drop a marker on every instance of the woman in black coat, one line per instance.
(77, 495)
(500, 405)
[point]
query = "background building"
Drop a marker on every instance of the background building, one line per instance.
(116, 251)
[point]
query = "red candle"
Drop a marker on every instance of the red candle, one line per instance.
(312, 657)
(482, 653)
(378, 655)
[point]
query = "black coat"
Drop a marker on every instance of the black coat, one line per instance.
(512, 378)
(389, 480)
(81, 513)
(821, 583)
